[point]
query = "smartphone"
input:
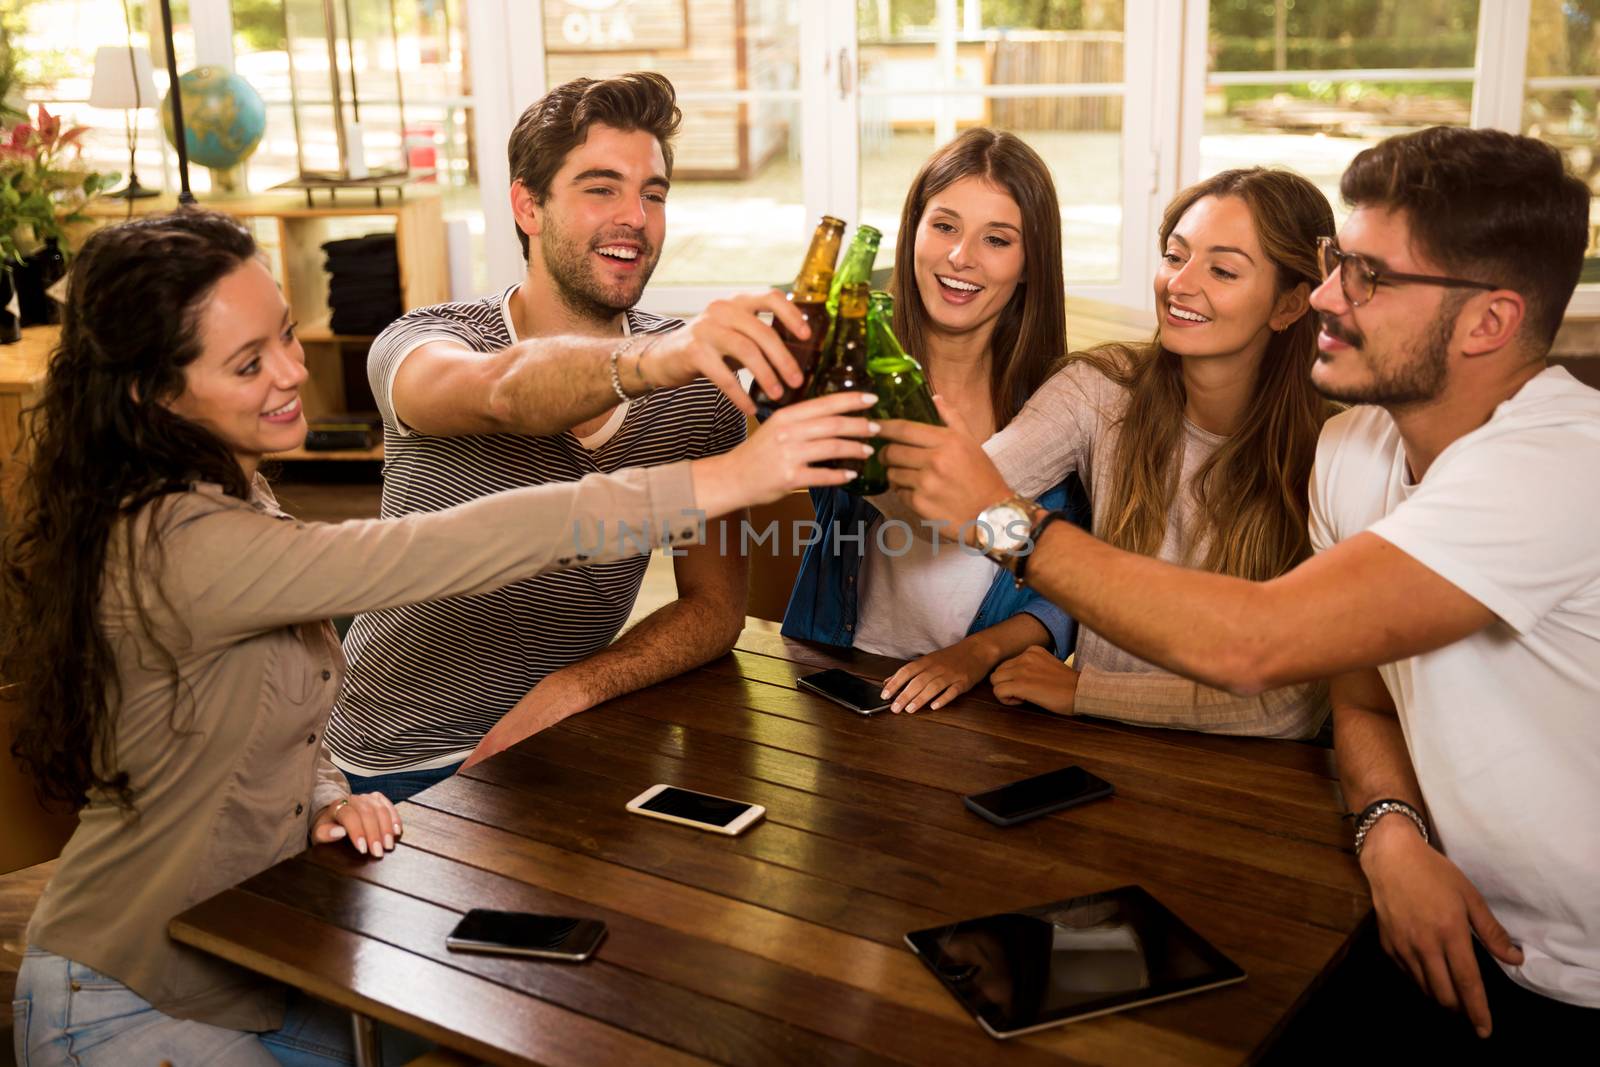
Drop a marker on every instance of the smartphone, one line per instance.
(520, 933)
(700, 810)
(842, 687)
(1039, 795)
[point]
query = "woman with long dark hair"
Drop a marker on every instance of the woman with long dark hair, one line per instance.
(980, 300)
(163, 630)
(1196, 446)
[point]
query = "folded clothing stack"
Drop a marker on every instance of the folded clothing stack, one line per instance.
(340, 432)
(363, 283)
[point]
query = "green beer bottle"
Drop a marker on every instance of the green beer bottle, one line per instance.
(843, 368)
(901, 385)
(810, 298)
(857, 265)
(897, 378)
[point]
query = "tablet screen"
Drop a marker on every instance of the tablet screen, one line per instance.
(1038, 967)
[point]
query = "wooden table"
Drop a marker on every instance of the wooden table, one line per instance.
(783, 946)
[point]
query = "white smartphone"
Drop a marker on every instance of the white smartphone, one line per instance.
(700, 810)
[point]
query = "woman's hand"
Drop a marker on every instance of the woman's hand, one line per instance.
(782, 455)
(934, 680)
(942, 472)
(368, 820)
(1037, 677)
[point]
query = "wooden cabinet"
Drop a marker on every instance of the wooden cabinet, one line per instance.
(291, 233)
(22, 368)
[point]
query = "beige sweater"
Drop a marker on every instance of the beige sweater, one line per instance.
(1070, 424)
(227, 776)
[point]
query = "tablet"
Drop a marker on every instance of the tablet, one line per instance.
(1039, 967)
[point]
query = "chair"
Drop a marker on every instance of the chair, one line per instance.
(775, 564)
(31, 833)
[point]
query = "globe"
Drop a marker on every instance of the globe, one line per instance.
(223, 117)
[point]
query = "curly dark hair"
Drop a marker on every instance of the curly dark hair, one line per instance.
(104, 445)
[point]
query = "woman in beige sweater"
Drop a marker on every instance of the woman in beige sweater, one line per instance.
(164, 631)
(1195, 447)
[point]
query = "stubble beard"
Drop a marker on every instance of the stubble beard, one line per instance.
(1417, 379)
(573, 275)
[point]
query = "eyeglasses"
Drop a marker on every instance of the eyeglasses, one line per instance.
(1359, 278)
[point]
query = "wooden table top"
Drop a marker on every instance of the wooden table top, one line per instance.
(785, 945)
(22, 364)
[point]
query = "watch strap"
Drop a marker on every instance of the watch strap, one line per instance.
(1019, 569)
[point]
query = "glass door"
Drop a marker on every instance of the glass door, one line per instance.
(796, 108)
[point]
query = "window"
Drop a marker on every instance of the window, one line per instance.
(1562, 106)
(737, 209)
(1051, 73)
(794, 110)
(1308, 86)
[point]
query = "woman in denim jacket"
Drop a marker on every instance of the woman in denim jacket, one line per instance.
(980, 300)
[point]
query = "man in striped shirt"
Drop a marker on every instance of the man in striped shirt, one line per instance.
(554, 378)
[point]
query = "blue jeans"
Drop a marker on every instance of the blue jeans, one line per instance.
(68, 1015)
(401, 785)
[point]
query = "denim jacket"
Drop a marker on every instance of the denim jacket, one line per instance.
(824, 604)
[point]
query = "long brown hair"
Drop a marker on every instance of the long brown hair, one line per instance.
(1029, 338)
(1251, 491)
(104, 445)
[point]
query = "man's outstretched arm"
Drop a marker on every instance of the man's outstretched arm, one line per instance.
(1427, 909)
(700, 625)
(548, 385)
(1360, 603)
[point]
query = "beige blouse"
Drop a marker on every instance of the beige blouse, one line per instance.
(220, 709)
(1072, 423)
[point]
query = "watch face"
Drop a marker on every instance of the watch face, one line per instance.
(1002, 528)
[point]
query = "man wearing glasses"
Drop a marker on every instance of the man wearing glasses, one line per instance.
(1455, 597)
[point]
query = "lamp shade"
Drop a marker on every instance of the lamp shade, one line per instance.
(122, 78)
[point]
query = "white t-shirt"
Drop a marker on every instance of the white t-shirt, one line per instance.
(917, 595)
(1503, 727)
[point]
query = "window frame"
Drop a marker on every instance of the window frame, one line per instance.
(1162, 95)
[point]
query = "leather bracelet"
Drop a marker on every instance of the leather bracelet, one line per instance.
(1389, 806)
(1020, 574)
(638, 363)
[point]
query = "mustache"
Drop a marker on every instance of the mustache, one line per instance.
(634, 236)
(1338, 332)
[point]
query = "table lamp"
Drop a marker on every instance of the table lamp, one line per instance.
(123, 81)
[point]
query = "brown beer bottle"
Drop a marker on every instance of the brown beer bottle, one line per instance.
(810, 298)
(843, 368)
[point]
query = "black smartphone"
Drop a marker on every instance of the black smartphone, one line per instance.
(842, 687)
(1039, 795)
(520, 933)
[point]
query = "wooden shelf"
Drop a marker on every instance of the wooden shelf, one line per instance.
(318, 332)
(373, 454)
(285, 205)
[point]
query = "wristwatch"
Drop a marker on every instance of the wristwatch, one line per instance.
(1002, 529)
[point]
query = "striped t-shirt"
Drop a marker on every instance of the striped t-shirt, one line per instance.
(426, 682)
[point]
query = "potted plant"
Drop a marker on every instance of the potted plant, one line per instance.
(44, 185)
